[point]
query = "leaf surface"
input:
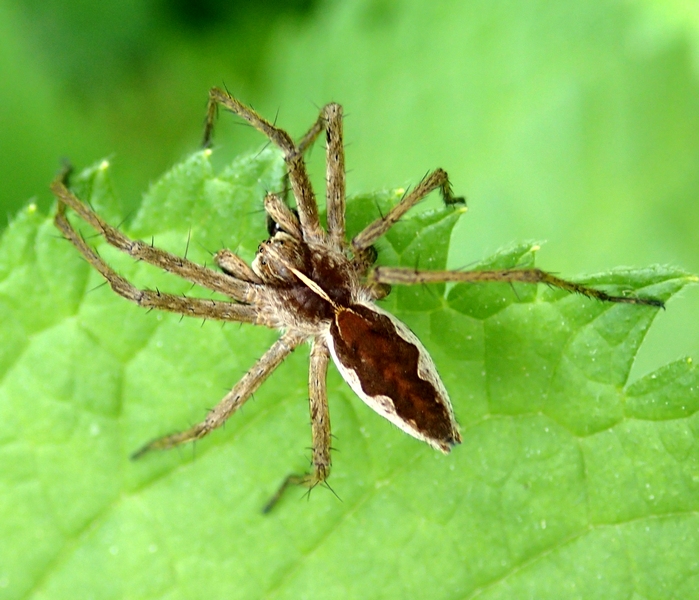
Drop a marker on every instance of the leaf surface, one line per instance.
(571, 481)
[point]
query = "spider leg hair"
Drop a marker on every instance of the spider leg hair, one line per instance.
(406, 276)
(234, 399)
(219, 282)
(376, 229)
(186, 306)
(298, 175)
(320, 425)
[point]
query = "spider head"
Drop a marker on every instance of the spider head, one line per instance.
(277, 256)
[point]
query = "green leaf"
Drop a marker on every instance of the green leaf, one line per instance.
(571, 481)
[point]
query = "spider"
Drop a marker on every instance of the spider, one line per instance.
(312, 285)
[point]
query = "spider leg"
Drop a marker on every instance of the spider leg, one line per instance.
(282, 215)
(406, 276)
(229, 262)
(335, 174)
(330, 120)
(213, 280)
(312, 134)
(373, 231)
(193, 307)
(320, 425)
(320, 413)
(234, 399)
(300, 183)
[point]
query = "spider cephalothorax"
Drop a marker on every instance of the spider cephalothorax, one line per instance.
(313, 285)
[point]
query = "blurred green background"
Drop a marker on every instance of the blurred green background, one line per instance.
(572, 123)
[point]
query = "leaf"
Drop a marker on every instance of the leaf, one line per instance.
(571, 481)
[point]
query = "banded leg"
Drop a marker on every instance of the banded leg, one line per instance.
(193, 307)
(212, 280)
(373, 231)
(320, 425)
(234, 399)
(300, 182)
(405, 276)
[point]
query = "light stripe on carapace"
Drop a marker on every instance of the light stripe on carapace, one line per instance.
(389, 369)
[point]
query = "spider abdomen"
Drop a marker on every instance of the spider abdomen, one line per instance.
(390, 370)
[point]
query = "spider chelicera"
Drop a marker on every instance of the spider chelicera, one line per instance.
(313, 285)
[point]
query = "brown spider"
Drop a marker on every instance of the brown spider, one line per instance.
(314, 286)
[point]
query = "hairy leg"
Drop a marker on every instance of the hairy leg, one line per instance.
(335, 174)
(282, 215)
(330, 120)
(193, 307)
(405, 276)
(300, 182)
(320, 425)
(373, 231)
(234, 399)
(213, 280)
